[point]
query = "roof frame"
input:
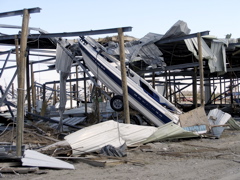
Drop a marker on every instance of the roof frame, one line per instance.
(19, 12)
(68, 34)
(181, 38)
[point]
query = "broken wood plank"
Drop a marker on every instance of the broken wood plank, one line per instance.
(21, 170)
(46, 137)
(96, 162)
(10, 164)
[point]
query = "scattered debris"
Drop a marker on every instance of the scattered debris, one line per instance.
(218, 120)
(109, 140)
(195, 121)
(93, 138)
(109, 150)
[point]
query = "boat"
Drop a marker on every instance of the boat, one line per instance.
(142, 97)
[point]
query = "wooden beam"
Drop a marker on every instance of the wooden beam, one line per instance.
(76, 87)
(70, 84)
(54, 94)
(124, 76)
(33, 90)
(28, 82)
(194, 87)
(21, 82)
(201, 68)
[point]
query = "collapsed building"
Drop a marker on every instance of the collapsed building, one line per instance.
(159, 68)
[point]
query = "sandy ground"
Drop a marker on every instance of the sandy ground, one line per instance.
(183, 160)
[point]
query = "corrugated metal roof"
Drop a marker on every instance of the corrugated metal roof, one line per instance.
(95, 137)
(34, 158)
(70, 120)
(218, 117)
(170, 131)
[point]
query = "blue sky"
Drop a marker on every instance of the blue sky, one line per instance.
(220, 17)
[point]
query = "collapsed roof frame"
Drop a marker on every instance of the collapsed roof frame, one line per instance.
(21, 70)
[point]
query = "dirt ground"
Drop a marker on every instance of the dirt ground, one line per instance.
(201, 158)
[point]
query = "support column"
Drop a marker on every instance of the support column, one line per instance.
(166, 85)
(44, 102)
(124, 76)
(33, 90)
(12, 90)
(85, 93)
(54, 94)
(170, 87)
(201, 69)
(153, 80)
(221, 90)
(28, 82)
(174, 90)
(194, 89)
(70, 83)
(76, 88)
(21, 82)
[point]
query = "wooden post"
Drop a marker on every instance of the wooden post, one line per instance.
(166, 85)
(213, 90)
(28, 82)
(221, 90)
(54, 94)
(17, 52)
(38, 93)
(124, 76)
(76, 88)
(58, 92)
(194, 88)
(170, 87)
(85, 94)
(21, 82)
(224, 84)
(97, 111)
(70, 83)
(33, 90)
(174, 90)
(12, 90)
(153, 80)
(231, 90)
(201, 68)
(44, 102)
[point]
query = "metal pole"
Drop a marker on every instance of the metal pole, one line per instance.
(21, 82)
(124, 76)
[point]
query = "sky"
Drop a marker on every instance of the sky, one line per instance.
(217, 16)
(220, 17)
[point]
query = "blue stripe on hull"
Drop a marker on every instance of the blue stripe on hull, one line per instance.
(162, 118)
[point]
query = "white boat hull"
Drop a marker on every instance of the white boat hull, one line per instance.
(110, 75)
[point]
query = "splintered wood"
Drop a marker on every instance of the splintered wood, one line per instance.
(30, 137)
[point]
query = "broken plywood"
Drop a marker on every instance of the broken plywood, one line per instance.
(195, 120)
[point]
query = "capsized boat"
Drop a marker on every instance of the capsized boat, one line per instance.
(142, 97)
